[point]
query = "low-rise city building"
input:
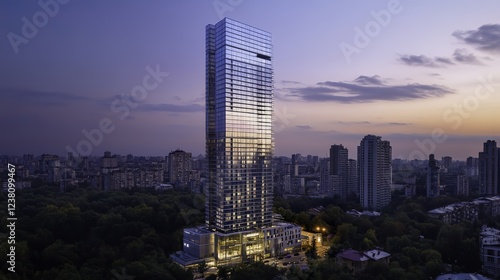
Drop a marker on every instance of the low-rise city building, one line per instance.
(488, 206)
(456, 212)
(462, 276)
(357, 261)
(461, 211)
(490, 251)
(217, 248)
(365, 213)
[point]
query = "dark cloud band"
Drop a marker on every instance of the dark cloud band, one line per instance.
(486, 37)
(366, 89)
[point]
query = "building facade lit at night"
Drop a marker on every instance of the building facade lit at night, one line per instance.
(239, 147)
(239, 134)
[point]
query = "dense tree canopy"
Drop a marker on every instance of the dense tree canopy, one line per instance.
(420, 246)
(89, 234)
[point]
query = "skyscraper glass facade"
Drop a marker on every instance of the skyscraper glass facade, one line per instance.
(239, 145)
(239, 134)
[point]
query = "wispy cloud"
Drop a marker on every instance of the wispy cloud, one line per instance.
(173, 108)
(422, 60)
(303, 127)
(195, 100)
(365, 89)
(354, 122)
(366, 80)
(374, 123)
(290, 82)
(486, 37)
(464, 56)
(443, 61)
(397, 123)
(29, 96)
(460, 56)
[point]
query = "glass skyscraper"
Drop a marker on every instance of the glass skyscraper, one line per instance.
(239, 133)
(239, 145)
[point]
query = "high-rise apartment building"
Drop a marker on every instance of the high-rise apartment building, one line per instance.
(462, 187)
(325, 185)
(489, 169)
(446, 161)
(239, 148)
(472, 166)
(432, 181)
(180, 165)
(352, 177)
(375, 174)
(239, 133)
(339, 168)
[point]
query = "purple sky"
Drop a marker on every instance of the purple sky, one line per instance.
(131, 74)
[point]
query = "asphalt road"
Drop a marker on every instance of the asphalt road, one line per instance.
(287, 262)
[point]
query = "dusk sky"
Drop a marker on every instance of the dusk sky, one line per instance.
(134, 72)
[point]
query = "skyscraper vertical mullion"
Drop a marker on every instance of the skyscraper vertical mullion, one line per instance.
(244, 82)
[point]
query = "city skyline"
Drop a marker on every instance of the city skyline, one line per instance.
(343, 71)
